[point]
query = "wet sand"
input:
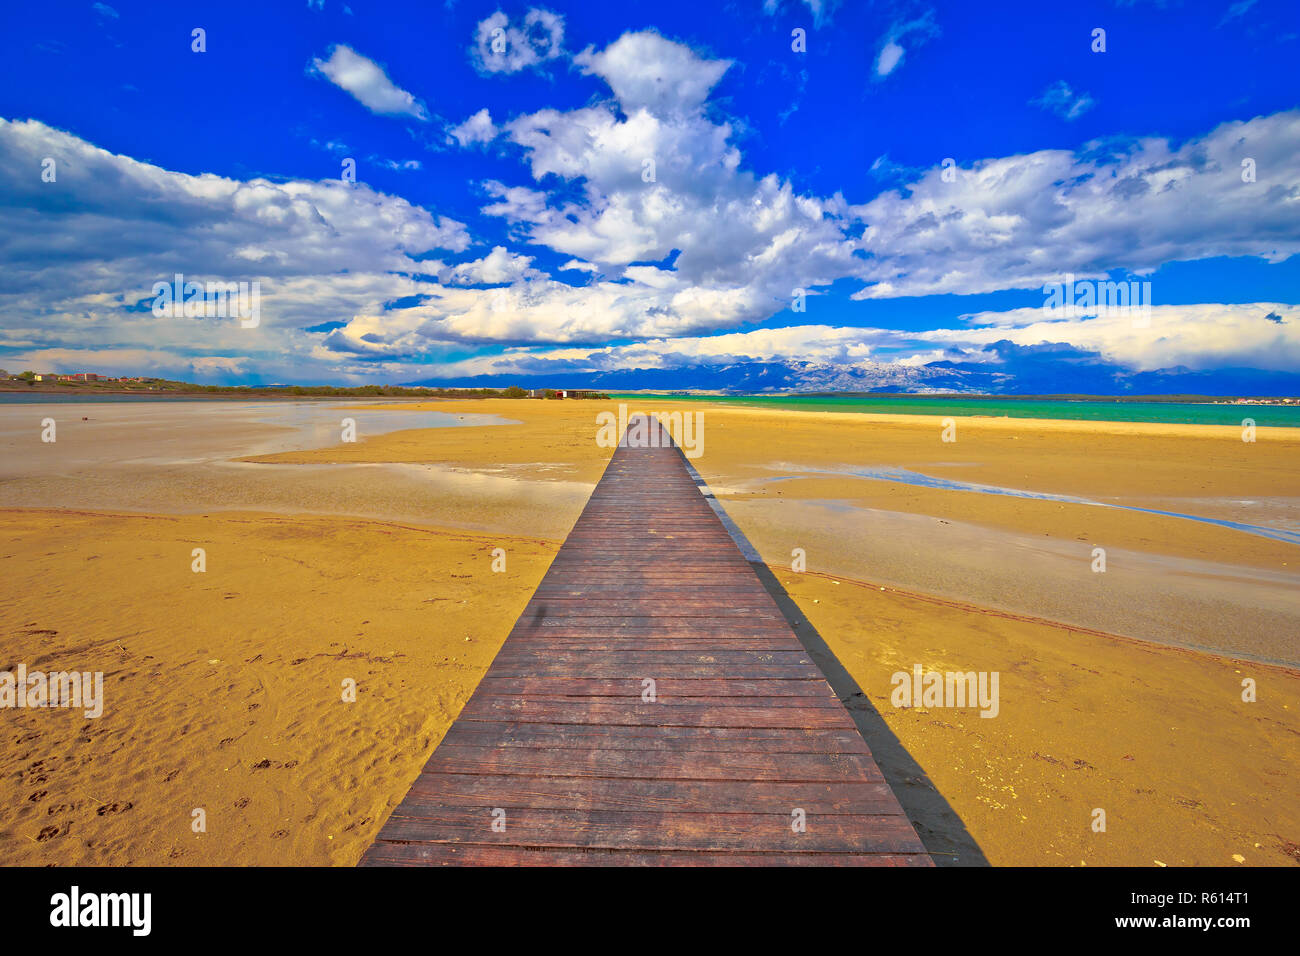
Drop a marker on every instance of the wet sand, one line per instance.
(343, 556)
(1159, 739)
(183, 458)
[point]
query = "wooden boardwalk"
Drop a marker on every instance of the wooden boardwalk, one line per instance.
(567, 754)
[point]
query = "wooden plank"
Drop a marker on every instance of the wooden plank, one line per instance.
(597, 668)
(471, 854)
(655, 765)
(638, 657)
(682, 715)
(647, 830)
(595, 643)
(568, 686)
(778, 740)
(662, 796)
(664, 629)
(743, 734)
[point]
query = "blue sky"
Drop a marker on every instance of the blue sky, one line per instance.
(564, 188)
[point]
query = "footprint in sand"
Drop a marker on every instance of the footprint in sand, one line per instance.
(50, 832)
(114, 808)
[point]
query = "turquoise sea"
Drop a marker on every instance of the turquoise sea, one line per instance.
(1187, 413)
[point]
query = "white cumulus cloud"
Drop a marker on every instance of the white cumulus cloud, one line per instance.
(1026, 220)
(368, 83)
(478, 129)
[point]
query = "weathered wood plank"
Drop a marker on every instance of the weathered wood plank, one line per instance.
(777, 740)
(664, 796)
(665, 690)
(648, 830)
(656, 765)
(470, 854)
(652, 715)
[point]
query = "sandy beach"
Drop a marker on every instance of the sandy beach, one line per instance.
(372, 561)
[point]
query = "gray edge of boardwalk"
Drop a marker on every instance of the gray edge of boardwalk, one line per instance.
(748, 550)
(745, 731)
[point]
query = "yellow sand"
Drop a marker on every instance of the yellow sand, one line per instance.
(224, 689)
(1157, 737)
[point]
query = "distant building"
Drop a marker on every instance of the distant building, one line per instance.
(561, 392)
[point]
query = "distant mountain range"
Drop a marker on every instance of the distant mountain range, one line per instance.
(1017, 371)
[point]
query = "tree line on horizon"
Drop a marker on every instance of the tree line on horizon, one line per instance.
(28, 379)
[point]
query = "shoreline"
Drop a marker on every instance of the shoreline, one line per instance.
(730, 403)
(720, 397)
(204, 397)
